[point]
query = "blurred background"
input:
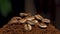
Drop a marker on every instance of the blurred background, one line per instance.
(47, 8)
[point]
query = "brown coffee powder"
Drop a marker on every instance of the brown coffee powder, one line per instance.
(17, 28)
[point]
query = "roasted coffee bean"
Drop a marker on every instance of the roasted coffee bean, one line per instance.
(16, 18)
(30, 22)
(23, 14)
(30, 18)
(35, 21)
(42, 25)
(27, 27)
(46, 20)
(22, 21)
(38, 17)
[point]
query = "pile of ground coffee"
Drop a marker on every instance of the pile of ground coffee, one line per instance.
(16, 28)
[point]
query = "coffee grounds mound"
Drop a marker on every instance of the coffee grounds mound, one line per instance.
(17, 28)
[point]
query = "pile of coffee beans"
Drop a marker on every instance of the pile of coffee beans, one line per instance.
(30, 20)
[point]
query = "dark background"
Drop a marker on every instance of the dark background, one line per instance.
(47, 8)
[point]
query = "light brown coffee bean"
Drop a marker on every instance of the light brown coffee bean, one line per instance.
(16, 18)
(30, 22)
(27, 27)
(23, 14)
(46, 20)
(38, 17)
(30, 18)
(22, 21)
(35, 21)
(42, 25)
(13, 21)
